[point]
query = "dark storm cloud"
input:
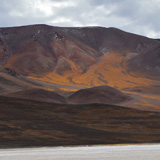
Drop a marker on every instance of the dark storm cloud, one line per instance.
(138, 16)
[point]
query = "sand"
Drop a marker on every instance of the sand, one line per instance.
(120, 152)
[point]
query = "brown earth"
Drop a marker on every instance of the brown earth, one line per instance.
(102, 94)
(38, 95)
(29, 123)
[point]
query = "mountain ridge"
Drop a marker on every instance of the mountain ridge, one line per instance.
(68, 59)
(78, 86)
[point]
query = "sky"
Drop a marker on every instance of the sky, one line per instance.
(135, 16)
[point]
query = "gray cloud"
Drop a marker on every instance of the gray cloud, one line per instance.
(138, 16)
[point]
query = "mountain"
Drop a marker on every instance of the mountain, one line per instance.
(38, 95)
(64, 60)
(39, 50)
(78, 86)
(101, 94)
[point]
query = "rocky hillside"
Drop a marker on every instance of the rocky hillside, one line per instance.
(65, 60)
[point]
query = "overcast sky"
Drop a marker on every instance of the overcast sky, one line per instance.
(136, 16)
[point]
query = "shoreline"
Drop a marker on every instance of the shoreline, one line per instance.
(76, 146)
(111, 152)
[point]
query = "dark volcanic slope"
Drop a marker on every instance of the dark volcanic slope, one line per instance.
(38, 95)
(102, 94)
(147, 63)
(31, 123)
(11, 82)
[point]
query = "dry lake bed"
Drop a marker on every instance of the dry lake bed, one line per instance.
(119, 152)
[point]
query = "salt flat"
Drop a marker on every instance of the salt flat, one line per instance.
(120, 152)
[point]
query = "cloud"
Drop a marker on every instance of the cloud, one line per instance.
(138, 16)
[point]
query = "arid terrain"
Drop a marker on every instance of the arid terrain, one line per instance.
(65, 60)
(119, 152)
(75, 86)
(30, 123)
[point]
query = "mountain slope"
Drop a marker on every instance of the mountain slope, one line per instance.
(102, 94)
(65, 50)
(38, 95)
(78, 86)
(32, 123)
(69, 59)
